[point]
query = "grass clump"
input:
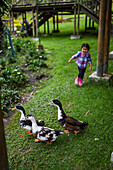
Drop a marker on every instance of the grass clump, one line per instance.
(91, 103)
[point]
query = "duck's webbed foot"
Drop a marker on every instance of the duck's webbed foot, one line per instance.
(37, 140)
(29, 133)
(75, 132)
(49, 143)
(66, 131)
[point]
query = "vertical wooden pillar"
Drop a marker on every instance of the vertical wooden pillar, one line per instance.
(36, 25)
(25, 15)
(93, 24)
(74, 31)
(44, 28)
(12, 21)
(78, 18)
(48, 26)
(89, 23)
(53, 23)
(3, 150)
(86, 24)
(33, 23)
(57, 22)
(101, 35)
(107, 36)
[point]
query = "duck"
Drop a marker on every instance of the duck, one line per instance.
(67, 122)
(42, 133)
(26, 124)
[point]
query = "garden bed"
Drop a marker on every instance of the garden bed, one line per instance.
(20, 76)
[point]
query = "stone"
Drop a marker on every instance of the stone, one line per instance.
(111, 55)
(75, 37)
(105, 77)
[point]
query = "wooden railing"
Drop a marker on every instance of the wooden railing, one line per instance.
(85, 2)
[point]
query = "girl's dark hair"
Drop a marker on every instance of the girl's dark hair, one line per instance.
(85, 45)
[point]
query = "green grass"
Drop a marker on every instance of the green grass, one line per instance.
(67, 152)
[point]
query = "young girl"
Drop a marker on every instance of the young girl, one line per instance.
(83, 57)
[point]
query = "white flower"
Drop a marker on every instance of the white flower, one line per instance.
(18, 73)
(40, 56)
(96, 139)
(0, 51)
(37, 49)
(9, 48)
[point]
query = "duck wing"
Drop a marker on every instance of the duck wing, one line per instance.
(74, 124)
(40, 123)
(47, 134)
(25, 122)
(71, 121)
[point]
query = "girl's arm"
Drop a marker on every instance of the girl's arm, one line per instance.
(74, 56)
(70, 60)
(90, 66)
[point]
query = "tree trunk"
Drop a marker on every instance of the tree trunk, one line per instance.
(3, 150)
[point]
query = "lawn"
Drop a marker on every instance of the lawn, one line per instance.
(92, 103)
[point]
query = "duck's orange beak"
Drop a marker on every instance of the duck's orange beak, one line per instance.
(13, 108)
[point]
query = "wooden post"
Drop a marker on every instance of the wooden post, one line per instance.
(48, 26)
(93, 25)
(3, 150)
(78, 18)
(86, 24)
(74, 31)
(12, 21)
(57, 22)
(36, 25)
(33, 23)
(89, 23)
(53, 23)
(44, 28)
(107, 36)
(101, 35)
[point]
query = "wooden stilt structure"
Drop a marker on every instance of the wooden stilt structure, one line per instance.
(107, 36)
(33, 24)
(74, 30)
(85, 23)
(78, 18)
(101, 37)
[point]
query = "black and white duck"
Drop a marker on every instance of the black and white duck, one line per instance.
(68, 122)
(26, 124)
(42, 133)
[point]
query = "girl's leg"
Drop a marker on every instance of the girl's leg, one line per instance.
(77, 80)
(81, 75)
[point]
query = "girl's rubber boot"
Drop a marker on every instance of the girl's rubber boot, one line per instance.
(80, 82)
(76, 80)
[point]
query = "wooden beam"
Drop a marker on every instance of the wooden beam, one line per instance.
(33, 23)
(48, 26)
(36, 25)
(101, 35)
(78, 18)
(74, 31)
(85, 23)
(107, 36)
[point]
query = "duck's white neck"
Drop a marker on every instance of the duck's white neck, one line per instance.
(35, 127)
(59, 113)
(22, 115)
